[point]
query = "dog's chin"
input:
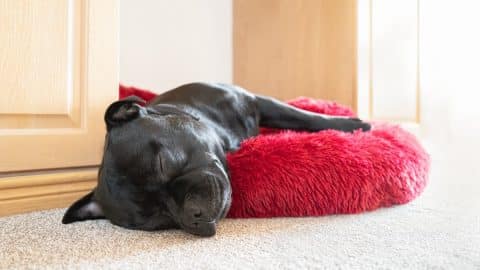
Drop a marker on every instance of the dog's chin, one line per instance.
(203, 229)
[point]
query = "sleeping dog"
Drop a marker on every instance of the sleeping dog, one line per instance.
(164, 164)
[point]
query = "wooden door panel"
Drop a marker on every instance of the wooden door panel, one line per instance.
(286, 48)
(31, 64)
(58, 71)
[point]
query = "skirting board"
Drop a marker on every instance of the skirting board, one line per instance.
(26, 193)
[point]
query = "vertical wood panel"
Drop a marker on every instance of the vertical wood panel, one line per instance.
(363, 58)
(288, 48)
(47, 137)
(32, 35)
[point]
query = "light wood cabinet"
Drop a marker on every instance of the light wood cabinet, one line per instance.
(58, 73)
(286, 48)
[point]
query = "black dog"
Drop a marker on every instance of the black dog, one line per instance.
(164, 164)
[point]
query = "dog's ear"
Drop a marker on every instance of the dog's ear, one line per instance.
(123, 110)
(84, 209)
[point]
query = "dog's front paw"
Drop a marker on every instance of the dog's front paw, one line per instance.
(352, 124)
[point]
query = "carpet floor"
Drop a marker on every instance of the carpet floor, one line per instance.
(439, 230)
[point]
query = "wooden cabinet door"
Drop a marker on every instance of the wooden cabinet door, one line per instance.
(58, 72)
(291, 48)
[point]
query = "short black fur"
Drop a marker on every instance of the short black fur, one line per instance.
(164, 164)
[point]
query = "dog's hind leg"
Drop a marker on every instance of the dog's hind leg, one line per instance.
(276, 114)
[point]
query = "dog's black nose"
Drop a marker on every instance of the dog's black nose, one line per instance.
(197, 221)
(194, 212)
(198, 214)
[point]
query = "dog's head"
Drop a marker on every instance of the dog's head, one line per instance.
(162, 168)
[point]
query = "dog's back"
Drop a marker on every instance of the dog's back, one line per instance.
(228, 109)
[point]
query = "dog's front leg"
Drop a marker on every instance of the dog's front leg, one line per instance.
(276, 114)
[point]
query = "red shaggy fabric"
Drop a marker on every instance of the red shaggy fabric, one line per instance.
(287, 173)
(126, 91)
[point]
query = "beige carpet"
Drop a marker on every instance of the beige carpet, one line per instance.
(440, 230)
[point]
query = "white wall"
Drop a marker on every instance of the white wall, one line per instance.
(447, 72)
(388, 60)
(450, 68)
(165, 43)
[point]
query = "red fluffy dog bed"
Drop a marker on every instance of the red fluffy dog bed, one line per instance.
(288, 173)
